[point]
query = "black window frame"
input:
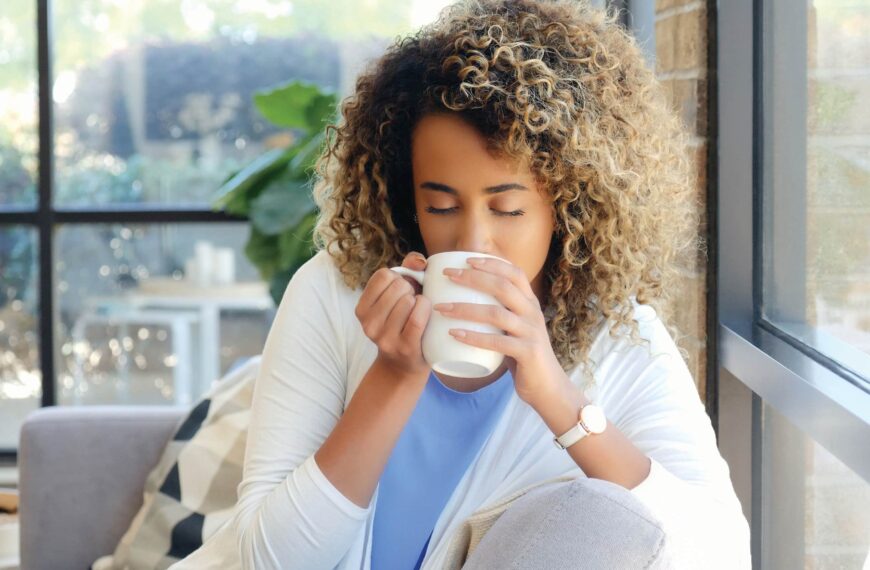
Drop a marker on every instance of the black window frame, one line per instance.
(45, 218)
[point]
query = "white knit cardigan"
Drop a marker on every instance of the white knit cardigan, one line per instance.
(290, 516)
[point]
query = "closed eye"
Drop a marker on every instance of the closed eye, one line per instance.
(432, 210)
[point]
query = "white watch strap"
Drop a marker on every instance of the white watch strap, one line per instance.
(571, 436)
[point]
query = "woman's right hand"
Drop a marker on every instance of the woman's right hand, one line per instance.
(394, 315)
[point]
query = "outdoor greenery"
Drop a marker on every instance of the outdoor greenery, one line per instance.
(86, 31)
(153, 107)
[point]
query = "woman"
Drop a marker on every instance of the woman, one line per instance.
(532, 131)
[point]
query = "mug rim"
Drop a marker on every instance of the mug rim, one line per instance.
(469, 253)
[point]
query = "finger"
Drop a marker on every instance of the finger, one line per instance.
(380, 311)
(508, 270)
(504, 344)
(418, 319)
(395, 321)
(378, 282)
(503, 289)
(494, 315)
(502, 271)
(416, 261)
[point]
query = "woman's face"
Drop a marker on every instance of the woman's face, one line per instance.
(466, 200)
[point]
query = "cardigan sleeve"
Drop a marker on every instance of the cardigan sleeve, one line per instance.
(288, 514)
(688, 486)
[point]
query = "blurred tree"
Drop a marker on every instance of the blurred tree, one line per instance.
(90, 30)
(17, 186)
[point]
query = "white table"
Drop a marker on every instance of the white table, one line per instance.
(180, 322)
(208, 302)
(10, 531)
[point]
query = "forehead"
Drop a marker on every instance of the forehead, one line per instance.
(445, 141)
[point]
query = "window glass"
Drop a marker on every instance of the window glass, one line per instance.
(153, 99)
(815, 511)
(141, 320)
(18, 124)
(20, 377)
(817, 180)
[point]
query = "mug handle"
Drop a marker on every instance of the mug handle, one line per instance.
(413, 274)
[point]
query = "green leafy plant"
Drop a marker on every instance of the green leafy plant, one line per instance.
(273, 191)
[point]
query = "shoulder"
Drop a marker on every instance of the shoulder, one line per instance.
(318, 290)
(652, 329)
(319, 276)
(652, 336)
(617, 357)
(320, 267)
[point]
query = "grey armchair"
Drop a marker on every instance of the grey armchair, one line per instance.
(82, 472)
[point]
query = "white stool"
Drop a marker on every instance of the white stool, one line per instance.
(180, 323)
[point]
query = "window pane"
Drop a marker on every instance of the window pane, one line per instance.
(138, 326)
(817, 179)
(20, 376)
(815, 510)
(153, 99)
(839, 160)
(18, 125)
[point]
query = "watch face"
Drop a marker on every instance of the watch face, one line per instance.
(593, 416)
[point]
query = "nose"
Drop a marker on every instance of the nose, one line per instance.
(474, 235)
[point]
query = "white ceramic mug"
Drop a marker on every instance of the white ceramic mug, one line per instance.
(444, 353)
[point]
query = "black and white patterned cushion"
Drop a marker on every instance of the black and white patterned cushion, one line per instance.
(191, 491)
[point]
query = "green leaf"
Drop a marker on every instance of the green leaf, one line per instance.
(251, 180)
(262, 251)
(281, 206)
(229, 177)
(321, 110)
(236, 204)
(296, 245)
(273, 191)
(286, 105)
(303, 163)
(278, 284)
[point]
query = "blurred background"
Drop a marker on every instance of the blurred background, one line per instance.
(151, 110)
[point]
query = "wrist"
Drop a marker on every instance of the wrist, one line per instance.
(559, 407)
(402, 378)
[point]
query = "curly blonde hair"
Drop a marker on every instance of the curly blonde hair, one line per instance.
(557, 83)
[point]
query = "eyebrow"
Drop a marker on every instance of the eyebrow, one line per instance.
(491, 190)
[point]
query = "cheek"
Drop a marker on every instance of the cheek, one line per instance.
(534, 247)
(539, 228)
(435, 236)
(525, 239)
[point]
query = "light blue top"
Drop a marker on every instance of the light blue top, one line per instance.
(441, 438)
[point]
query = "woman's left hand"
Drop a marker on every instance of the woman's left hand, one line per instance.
(526, 344)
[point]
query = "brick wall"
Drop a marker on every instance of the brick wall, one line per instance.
(681, 66)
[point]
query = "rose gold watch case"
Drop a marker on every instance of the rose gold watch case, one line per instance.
(593, 419)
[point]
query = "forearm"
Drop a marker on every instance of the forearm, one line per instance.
(354, 455)
(703, 516)
(609, 455)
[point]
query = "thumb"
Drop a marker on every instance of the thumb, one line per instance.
(414, 260)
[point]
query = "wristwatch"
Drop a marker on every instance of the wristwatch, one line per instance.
(592, 421)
